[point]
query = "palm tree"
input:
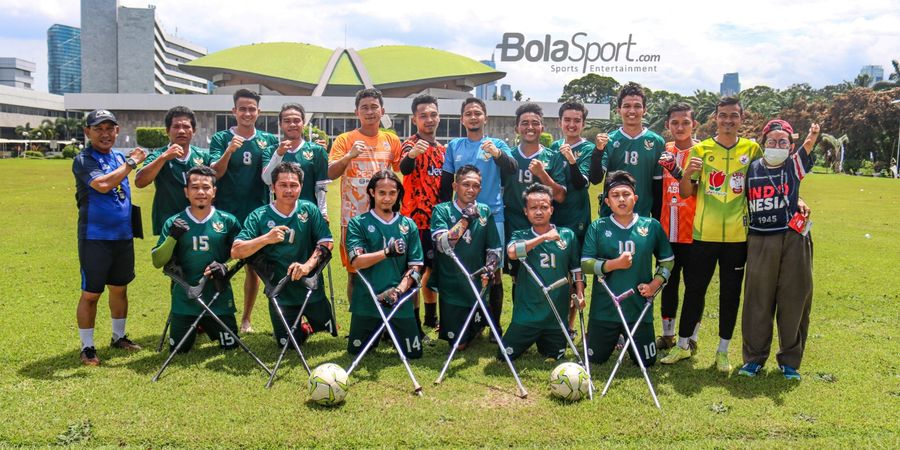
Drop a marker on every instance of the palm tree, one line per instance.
(703, 103)
(862, 80)
(835, 148)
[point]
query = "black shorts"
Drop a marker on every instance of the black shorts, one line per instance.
(551, 343)
(105, 263)
(427, 247)
(405, 329)
(181, 324)
(452, 319)
(603, 336)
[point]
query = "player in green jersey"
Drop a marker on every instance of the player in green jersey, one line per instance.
(554, 253)
(312, 157)
(198, 239)
(574, 212)
(237, 159)
(634, 149)
(536, 164)
(295, 240)
(469, 227)
(621, 248)
(384, 247)
(166, 167)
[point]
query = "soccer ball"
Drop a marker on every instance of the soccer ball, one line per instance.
(569, 381)
(328, 384)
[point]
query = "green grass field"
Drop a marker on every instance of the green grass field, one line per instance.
(849, 397)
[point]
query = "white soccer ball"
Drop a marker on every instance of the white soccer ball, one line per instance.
(569, 381)
(328, 384)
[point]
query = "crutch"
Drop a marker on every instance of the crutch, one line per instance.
(546, 290)
(286, 344)
(387, 327)
(584, 348)
(377, 334)
(272, 293)
(617, 299)
(479, 304)
(334, 331)
(162, 337)
(195, 292)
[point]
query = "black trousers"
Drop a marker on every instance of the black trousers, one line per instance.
(698, 271)
(670, 292)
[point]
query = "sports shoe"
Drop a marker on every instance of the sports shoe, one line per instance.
(692, 344)
(665, 342)
(572, 334)
(722, 364)
(124, 343)
(790, 373)
(428, 341)
(89, 356)
(750, 370)
(620, 344)
(676, 354)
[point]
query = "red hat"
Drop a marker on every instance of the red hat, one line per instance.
(778, 124)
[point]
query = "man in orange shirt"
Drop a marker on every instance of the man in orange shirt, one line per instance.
(677, 215)
(355, 157)
(421, 166)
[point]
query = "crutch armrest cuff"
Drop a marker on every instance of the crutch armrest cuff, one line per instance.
(520, 248)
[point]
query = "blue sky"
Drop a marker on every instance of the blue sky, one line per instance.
(775, 43)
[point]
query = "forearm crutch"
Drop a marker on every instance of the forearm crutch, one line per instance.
(546, 290)
(272, 294)
(417, 388)
(286, 344)
(617, 299)
(377, 334)
(479, 304)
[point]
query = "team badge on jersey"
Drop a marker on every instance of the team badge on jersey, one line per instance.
(715, 182)
(371, 228)
(198, 160)
(485, 155)
(616, 144)
(561, 244)
(404, 228)
(643, 231)
(303, 216)
(262, 144)
(744, 159)
(271, 224)
(308, 155)
(218, 226)
(737, 182)
(649, 145)
(482, 221)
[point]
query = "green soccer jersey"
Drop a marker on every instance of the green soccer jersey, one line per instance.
(638, 156)
(312, 158)
(169, 183)
(241, 190)
(306, 228)
(471, 249)
(367, 233)
(514, 185)
(205, 241)
(607, 239)
(551, 261)
(575, 212)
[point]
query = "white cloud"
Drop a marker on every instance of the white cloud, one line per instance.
(770, 42)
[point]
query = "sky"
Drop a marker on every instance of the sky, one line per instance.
(768, 42)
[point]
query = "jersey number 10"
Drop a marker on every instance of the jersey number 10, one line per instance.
(627, 246)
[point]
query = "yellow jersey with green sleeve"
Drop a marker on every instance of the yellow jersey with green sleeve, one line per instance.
(721, 214)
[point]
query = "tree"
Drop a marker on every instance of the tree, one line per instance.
(763, 100)
(831, 147)
(518, 96)
(862, 80)
(868, 119)
(703, 103)
(591, 88)
(658, 102)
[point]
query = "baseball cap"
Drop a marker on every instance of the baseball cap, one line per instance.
(778, 124)
(98, 116)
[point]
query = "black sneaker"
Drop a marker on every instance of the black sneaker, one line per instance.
(89, 356)
(125, 344)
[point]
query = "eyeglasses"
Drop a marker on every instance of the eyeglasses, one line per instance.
(782, 143)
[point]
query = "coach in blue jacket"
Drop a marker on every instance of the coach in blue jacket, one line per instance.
(105, 235)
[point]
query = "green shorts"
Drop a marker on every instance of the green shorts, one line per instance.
(603, 336)
(518, 337)
(452, 319)
(317, 314)
(181, 324)
(406, 330)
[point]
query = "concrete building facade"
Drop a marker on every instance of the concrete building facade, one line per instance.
(16, 72)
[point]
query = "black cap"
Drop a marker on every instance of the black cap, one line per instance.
(98, 116)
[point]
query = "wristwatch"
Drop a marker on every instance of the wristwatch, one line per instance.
(131, 163)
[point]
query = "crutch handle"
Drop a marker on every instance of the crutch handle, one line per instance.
(557, 284)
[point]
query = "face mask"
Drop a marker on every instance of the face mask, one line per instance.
(775, 156)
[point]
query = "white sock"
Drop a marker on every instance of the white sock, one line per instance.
(118, 328)
(683, 343)
(87, 337)
(723, 345)
(696, 334)
(668, 327)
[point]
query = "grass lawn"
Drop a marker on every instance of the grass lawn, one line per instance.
(849, 397)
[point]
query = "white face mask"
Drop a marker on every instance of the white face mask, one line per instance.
(775, 156)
